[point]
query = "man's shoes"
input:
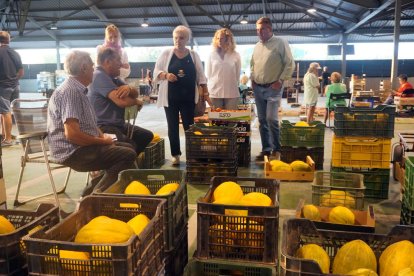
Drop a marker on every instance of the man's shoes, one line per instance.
(175, 160)
(5, 143)
(261, 155)
(275, 155)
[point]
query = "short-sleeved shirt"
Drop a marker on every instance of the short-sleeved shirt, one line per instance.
(10, 64)
(403, 87)
(334, 88)
(183, 89)
(107, 112)
(68, 101)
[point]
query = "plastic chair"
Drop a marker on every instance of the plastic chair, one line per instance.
(335, 97)
(131, 113)
(31, 121)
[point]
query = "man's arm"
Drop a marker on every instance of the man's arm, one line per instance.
(20, 73)
(77, 137)
(124, 96)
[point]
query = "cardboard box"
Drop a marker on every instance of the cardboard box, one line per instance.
(240, 115)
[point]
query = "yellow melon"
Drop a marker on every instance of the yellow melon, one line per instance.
(255, 199)
(301, 124)
(198, 133)
(168, 188)
(136, 188)
(406, 272)
(138, 223)
(300, 166)
(220, 238)
(229, 190)
(335, 198)
(6, 226)
(251, 237)
(341, 215)
(396, 257)
(231, 201)
(362, 272)
(311, 212)
(316, 253)
(280, 166)
(354, 255)
(156, 138)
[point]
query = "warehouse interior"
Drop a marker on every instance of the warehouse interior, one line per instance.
(80, 24)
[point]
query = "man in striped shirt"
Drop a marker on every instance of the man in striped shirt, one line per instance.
(74, 137)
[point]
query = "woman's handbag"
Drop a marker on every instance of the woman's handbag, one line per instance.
(200, 107)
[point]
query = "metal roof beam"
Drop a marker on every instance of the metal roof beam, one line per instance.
(49, 33)
(368, 17)
(91, 5)
(369, 4)
(181, 16)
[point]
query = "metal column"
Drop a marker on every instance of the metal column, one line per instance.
(394, 63)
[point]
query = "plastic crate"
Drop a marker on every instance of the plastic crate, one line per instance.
(248, 233)
(241, 126)
(376, 122)
(154, 155)
(351, 183)
(12, 249)
(177, 258)
(409, 180)
(407, 213)
(218, 267)
(311, 136)
(290, 154)
(176, 209)
(365, 152)
(376, 181)
(244, 153)
(141, 255)
(216, 142)
(297, 232)
(200, 171)
(293, 175)
(364, 220)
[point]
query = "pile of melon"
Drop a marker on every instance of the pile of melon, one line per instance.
(295, 166)
(338, 214)
(138, 188)
(357, 258)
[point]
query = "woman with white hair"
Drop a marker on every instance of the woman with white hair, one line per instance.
(178, 71)
(311, 85)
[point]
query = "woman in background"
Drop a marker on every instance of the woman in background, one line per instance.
(311, 85)
(113, 40)
(223, 71)
(336, 87)
(178, 71)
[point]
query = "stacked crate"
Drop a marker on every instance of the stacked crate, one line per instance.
(210, 151)
(241, 119)
(362, 144)
(300, 141)
(153, 156)
(176, 211)
(235, 238)
(407, 207)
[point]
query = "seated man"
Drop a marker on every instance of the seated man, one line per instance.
(74, 137)
(109, 97)
(404, 85)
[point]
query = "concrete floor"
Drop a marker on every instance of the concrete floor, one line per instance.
(387, 211)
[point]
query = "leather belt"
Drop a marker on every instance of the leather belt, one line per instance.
(265, 85)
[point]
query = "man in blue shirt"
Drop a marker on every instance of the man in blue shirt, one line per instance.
(110, 96)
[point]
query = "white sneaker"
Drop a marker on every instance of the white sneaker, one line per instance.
(175, 160)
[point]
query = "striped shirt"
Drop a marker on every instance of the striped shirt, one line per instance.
(68, 101)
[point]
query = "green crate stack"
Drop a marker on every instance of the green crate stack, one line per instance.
(299, 141)
(367, 123)
(407, 207)
(153, 156)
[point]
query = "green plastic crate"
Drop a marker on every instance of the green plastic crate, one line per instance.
(295, 136)
(409, 181)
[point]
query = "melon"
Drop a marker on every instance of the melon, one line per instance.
(136, 188)
(300, 166)
(362, 272)
(352, 255)
(168, 188)
(311, 212)
(341, 215)
(255, 199)
(301, 124)
(6, 226)
(337, 198)
(316, 253)
(396, 257)
(228, 189)
(406, 272)
(138, 223)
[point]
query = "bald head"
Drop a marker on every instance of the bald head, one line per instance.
(4, 37)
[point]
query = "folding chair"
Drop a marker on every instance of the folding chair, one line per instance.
(131, 113)
(31, 121)
(335, 97)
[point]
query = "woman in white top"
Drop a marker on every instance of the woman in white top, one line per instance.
(223, 71)
(113, 40)
(311, 84)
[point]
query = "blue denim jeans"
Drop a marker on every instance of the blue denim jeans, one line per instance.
(268, 103)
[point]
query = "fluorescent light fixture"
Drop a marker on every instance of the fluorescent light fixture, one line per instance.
(53, 26)
(244, 20)
(145, 23)
(312, 10)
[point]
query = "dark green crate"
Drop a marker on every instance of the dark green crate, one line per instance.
(376, 181)
(295, 136)
(409, 180)
(375, 122)
(407, 213)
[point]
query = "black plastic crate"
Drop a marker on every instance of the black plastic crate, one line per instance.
(375, 122)
(244, 153)
(297, 232)
(376, 181)
(177, 258)
(311, 136)
(248, 233)
(290, 154)
(216, 142)
(176, 209)
(12, 249)
(154, 155)
(200, 171)
(141, 255)
(241, 126)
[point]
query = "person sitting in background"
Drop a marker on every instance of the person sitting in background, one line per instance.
(73, 134)
(311, 86)
(243, 88)
(110, 96)
(404, 85)
(325, 80)
(336, 87)
(113, 40)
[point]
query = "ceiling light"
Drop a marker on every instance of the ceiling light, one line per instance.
(312, 10)
(53, 26)
(145, 23)
(244, 20)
